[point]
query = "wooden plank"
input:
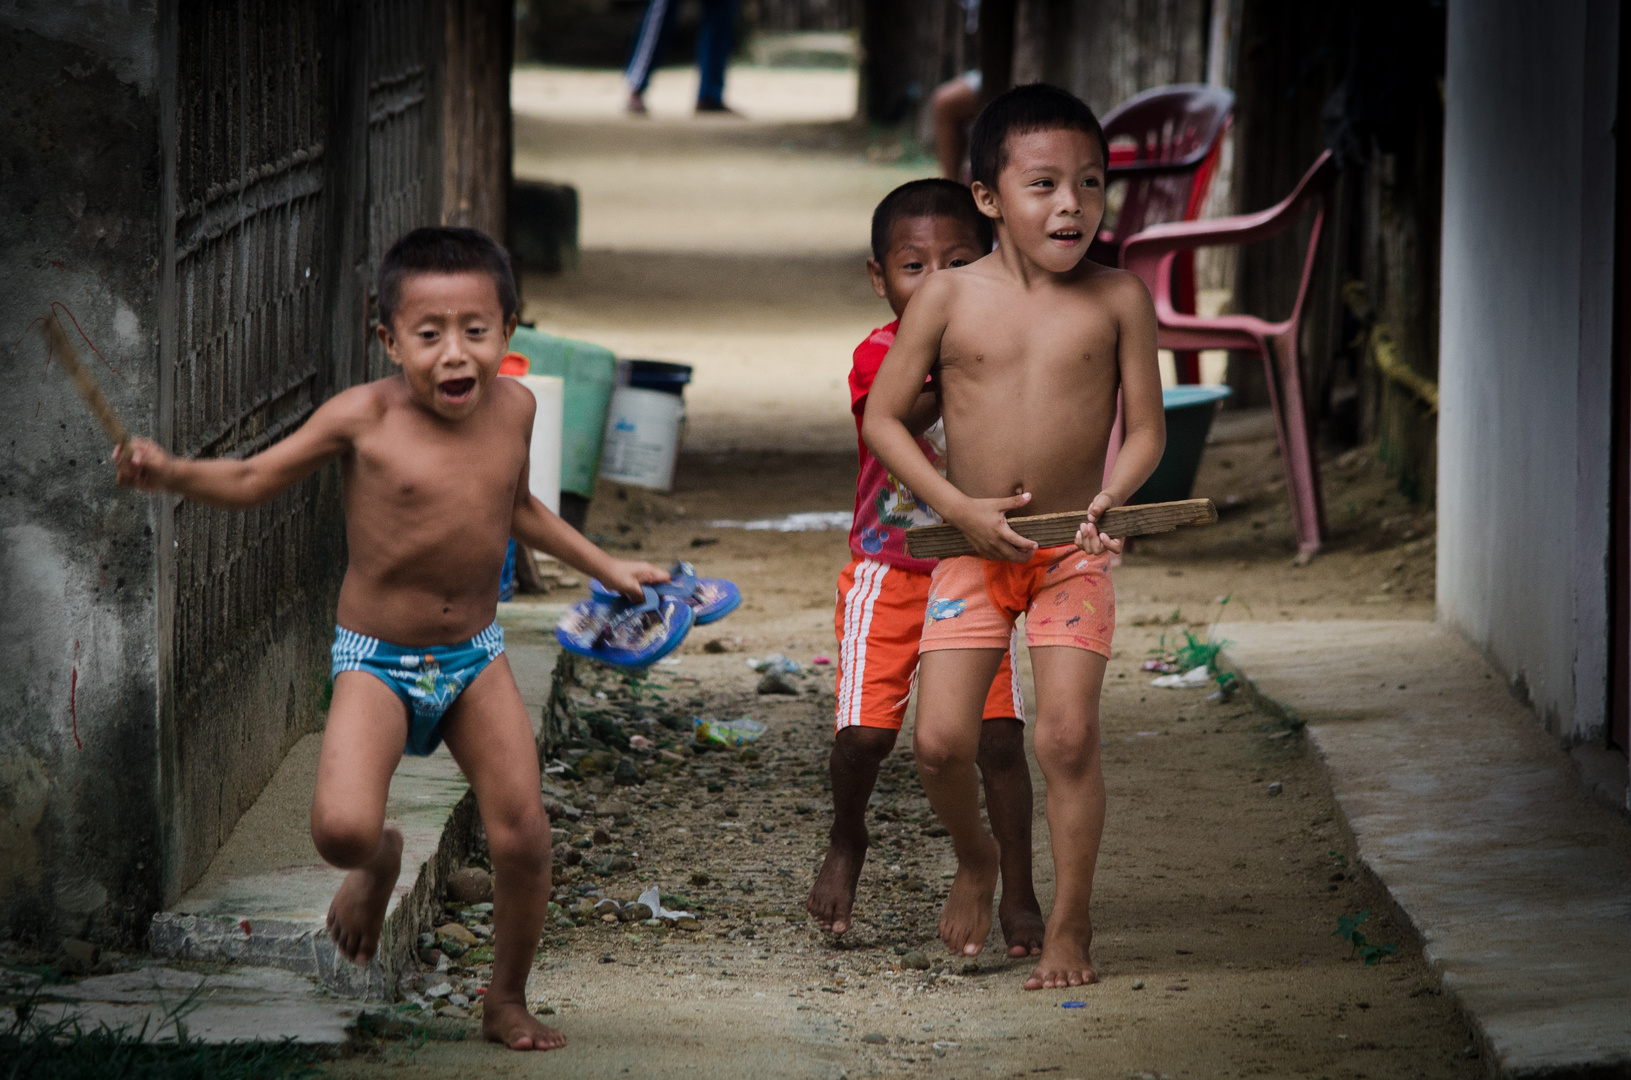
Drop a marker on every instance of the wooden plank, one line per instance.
(1051, 530)
(84, 382)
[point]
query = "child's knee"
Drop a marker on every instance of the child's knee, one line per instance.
(1070, 747)
(864, 745)
(936, 753)
(344, 840)
(519, 840)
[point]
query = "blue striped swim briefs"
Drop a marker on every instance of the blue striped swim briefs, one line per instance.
(427, 680)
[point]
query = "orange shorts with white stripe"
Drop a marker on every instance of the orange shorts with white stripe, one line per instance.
(879, 622)
(1064, 594)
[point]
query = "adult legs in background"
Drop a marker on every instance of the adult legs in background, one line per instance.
(715, 39)
(650, 42)
(1068, 683)
(952, 687)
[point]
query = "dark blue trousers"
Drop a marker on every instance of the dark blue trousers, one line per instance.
(714, 43)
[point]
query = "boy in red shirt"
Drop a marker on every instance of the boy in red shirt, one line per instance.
(920, 227)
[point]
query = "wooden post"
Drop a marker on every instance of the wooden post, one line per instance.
(476, 147)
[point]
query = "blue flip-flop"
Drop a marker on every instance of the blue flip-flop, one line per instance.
(710, 599)
(615, 630)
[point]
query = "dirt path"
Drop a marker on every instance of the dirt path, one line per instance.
(1216, 899)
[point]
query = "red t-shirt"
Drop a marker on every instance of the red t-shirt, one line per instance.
(884, 507)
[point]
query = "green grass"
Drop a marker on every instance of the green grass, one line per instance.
(42, 1051)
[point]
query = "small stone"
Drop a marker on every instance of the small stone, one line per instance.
(934, 828)
(440, 990)
(670, 757)
(716, 645)
(612, 809)
(620, 864)
(1138, 984)
(455, 934)
(1275, 788)
(774, 682)
(454, 1012)
(634, 913)
(601, 836)
(471, 885)
(627, 773)
(555, 809)
(608, 919)
(607, 906)
(699, 879)
(687, 923)
(915, 961)
(970, 967)
(458, 999)
(767, 826)
(876, 1038)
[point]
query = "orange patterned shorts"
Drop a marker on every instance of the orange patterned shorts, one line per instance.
(1064, 593)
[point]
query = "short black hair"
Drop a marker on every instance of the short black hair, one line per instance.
(1024, 109)
(928, 198)
(444, 249)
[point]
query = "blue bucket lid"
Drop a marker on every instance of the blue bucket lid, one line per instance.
(1183, 397)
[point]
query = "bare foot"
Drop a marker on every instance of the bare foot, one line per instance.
(1022, 925)
(358, 910)
(965, 922)
(1066, 957)
(510, 1023)
(833, 895)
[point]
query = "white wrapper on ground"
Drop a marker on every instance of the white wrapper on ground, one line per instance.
(1193, 678)
(652, 898)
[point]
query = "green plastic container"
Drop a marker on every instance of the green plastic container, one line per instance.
(590, 374)
(1189, 411)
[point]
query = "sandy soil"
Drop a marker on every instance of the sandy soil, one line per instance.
(1216, 900)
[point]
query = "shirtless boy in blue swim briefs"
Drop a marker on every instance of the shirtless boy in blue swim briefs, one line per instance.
(434, 466)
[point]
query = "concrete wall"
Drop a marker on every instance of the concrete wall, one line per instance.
(79, 224)
(1525, 347)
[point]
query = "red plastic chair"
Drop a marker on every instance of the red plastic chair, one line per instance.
(1164, 146)
(1152, 254)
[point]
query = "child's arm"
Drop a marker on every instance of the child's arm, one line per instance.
(1143, 420)
(889, 412)
(234, 484)
(534, 525)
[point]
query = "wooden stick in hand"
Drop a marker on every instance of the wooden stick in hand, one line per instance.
(83, 382)
(1051, 530)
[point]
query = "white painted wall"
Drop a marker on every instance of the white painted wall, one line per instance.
(1525, 345)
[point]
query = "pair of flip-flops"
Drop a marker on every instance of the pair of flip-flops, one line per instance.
(615, 630)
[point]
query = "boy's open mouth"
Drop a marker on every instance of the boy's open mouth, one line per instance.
(456, 389)
(1066, 236)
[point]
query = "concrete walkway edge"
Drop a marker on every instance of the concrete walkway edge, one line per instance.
(1475, 825)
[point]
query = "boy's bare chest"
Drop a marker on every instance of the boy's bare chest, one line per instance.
(414, 469)
(995, 342)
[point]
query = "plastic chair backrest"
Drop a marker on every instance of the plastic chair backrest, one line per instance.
(1164, 147)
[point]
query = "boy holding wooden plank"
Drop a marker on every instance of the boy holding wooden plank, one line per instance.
(1030, 347)
(918, 229)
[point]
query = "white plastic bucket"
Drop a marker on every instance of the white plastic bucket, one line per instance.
(642, 438)
(544, 472)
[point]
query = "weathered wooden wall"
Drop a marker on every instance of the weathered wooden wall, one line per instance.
(1362, 79)
(1105, 51)
(477, 154)
(802, 14)
(908, 48)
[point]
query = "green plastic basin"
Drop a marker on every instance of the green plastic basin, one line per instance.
(1189, 411)
(590, 374)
